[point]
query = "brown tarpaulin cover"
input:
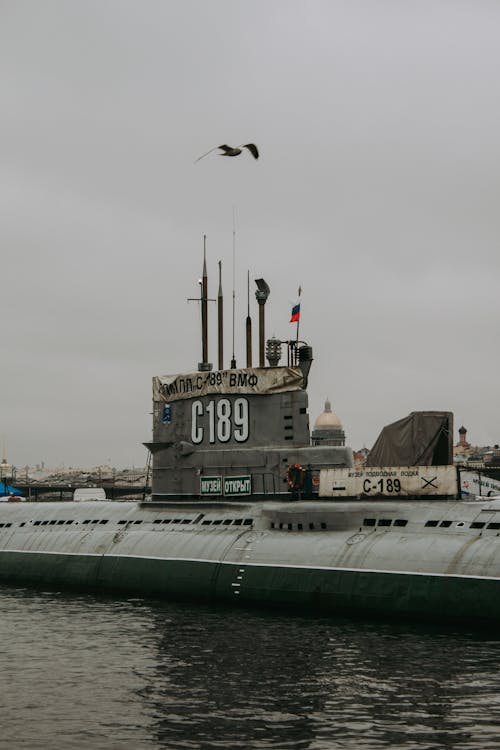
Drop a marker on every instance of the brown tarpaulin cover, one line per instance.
(423, 438)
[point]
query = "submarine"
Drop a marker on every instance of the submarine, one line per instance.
(245, 510)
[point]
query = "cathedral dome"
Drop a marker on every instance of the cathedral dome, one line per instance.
(328, 420)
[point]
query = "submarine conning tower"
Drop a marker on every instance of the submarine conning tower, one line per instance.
(233, 433)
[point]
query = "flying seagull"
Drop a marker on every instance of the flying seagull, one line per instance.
(233, 150)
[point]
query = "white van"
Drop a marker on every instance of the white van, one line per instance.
(89, 493)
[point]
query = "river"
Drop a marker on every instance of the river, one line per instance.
(82, 671)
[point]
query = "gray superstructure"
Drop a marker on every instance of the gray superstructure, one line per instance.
(252, 422)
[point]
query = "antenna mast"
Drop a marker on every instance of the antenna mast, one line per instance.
(261, 296)
(204, 305)
(249, 325)
(204, 365)
(233, 361)
(220, 320)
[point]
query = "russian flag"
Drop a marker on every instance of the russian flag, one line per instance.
(295, 313)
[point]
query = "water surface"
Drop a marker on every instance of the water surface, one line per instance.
(82, 671)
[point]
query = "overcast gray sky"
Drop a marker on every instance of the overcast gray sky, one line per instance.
(377, 190)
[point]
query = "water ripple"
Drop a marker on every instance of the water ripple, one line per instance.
(81, 671)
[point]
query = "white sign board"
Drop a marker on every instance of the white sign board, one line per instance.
(388, 481)
(258, 380)
(475, 483)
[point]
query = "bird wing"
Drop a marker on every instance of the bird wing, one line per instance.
(208, 152)
(253, 149)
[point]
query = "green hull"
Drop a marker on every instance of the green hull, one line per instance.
(334, 591)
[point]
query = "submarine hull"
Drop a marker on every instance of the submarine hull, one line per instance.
(372, 559)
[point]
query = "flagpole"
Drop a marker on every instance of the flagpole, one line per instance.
(298, 324)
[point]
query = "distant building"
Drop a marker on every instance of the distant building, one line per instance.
(492, 456)
(462, 444)
(328, 428)
(463, 449)
(465, 453)
(5, 468)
